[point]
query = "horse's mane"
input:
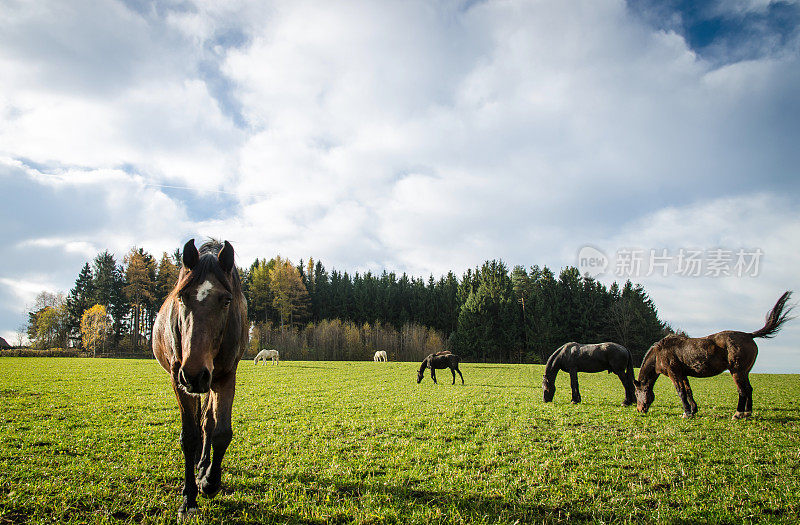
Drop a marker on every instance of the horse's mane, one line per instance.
(663, 342)
(208, 263)
(555, 355)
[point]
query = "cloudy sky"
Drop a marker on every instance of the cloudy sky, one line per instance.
(412, 136)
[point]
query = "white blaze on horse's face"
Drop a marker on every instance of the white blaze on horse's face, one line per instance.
(203, 291)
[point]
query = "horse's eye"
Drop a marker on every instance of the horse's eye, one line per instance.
(226, 301)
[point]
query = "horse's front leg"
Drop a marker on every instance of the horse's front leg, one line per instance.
(573, 380)
(433, 375)
(222, 391)
(207, 425)
(687, 388)
(680, 386)
(190, 444)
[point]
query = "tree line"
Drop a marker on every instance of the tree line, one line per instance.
(490, 313)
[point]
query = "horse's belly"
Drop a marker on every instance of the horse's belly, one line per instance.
(593, 368)
(707, 369)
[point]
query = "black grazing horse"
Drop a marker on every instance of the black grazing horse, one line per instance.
(199, 336)
(575, 357)
(439, 361)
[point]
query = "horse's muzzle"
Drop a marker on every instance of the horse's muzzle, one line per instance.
(199, 383)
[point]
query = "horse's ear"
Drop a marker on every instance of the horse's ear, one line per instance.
(190, 255)
(226, 257)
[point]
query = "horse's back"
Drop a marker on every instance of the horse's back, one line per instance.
(596, 357)
(703, 356)
(740, 347)
(440, 361)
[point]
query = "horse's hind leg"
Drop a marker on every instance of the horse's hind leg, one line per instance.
(745, 406)
(630, 396)
(459, 374)
(453, 371)
(222, 403)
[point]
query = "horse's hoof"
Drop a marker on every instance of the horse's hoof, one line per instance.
(687, 415)
(185, 513)
(740, 415)
(627, 403)
(207, 489)
(576, 402)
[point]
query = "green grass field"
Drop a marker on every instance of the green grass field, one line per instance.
(95, 441)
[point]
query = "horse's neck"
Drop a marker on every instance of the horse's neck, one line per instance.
(648, 373)
(424, 365)
(553, 365)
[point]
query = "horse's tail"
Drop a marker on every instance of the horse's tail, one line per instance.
(776, 317)
(629, 367)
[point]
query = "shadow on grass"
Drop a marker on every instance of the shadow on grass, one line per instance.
(291, 365)
(503, 386)
(453, 505)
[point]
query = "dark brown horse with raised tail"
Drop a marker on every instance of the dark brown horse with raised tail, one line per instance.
(679, 357)
(439, 361)
(199, 336)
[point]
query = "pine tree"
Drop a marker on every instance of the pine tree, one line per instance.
(79, 300)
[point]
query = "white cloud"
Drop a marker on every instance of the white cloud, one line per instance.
(25, 291)
(706, 304)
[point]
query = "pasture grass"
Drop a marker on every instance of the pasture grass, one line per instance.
(96, 441)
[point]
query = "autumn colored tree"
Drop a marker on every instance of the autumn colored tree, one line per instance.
(139, 289)
(290, 297)
(95, 327)
(48, 321)
(166, 277)
(259, 300)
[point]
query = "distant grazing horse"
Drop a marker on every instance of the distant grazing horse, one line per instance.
(199, 336)
(678, 356)
(575, 357)
(379, 356)
(268, 354)
(439, 361)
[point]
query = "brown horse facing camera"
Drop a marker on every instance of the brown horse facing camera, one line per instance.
(199, 336)
(679, 356)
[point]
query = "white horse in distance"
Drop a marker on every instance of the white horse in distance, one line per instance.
(379, 356)
(267, 354)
